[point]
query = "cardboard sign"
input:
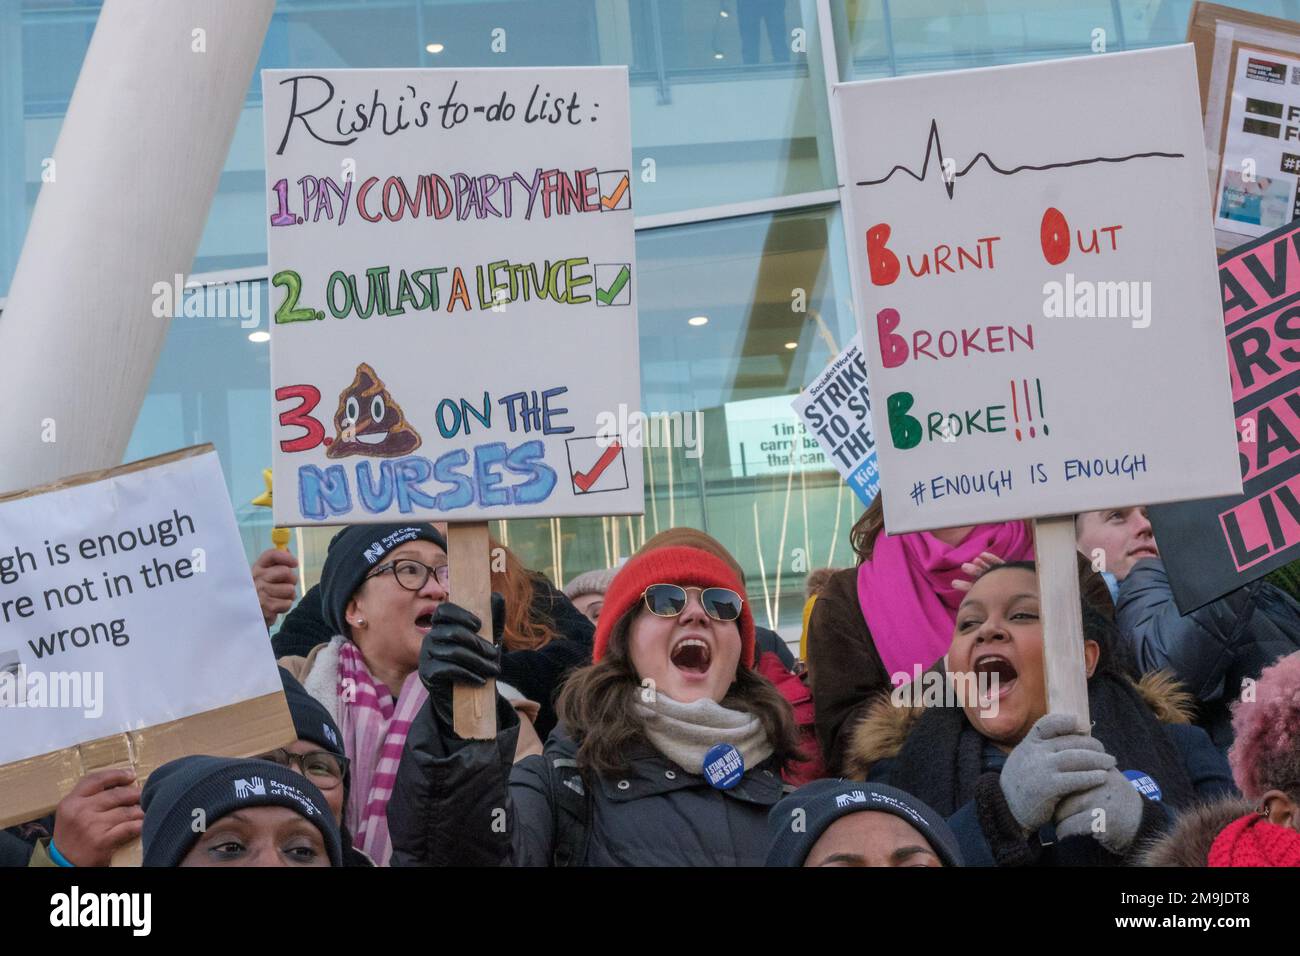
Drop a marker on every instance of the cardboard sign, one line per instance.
(1212, 547)
(454, 285)
(128, 625)
(836, 409)
(1034, 271)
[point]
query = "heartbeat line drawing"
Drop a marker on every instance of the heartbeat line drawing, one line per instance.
(933, 148)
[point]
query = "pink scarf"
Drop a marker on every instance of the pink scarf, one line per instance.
(906, 593)
(374, 732)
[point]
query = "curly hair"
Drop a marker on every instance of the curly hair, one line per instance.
(1266, 752)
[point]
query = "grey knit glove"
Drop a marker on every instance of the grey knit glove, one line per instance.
(1052, 762)
(1112, 813)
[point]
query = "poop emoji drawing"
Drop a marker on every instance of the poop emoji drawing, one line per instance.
(369, 422)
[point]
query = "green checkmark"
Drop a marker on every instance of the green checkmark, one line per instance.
(607, 296)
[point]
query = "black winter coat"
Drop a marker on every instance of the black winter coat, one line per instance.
(446, 806)
(1213, 650)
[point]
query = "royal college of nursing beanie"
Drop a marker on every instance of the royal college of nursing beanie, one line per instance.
(353, 553)
(218, 786)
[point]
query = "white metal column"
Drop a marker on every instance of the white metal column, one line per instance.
(137, 162)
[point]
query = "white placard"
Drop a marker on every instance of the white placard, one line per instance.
(125, 603)
(454, 285)
(1036, 282)
(836, 410)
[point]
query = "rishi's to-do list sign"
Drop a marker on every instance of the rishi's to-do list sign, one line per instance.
(126, 604)
(454, 292)
(1035, 275)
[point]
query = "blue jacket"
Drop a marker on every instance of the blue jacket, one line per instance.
(1213, 650)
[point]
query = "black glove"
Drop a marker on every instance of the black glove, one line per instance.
(453, 653)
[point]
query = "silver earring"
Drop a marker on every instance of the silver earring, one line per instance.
(361, 622)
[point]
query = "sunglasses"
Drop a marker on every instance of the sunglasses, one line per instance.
(669, 600)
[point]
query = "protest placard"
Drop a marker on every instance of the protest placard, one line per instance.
(130, 632)
(1027, 260)
(1249, 67)
(1214, 546)
(836, 409)
(454, 285)
(1027, 257)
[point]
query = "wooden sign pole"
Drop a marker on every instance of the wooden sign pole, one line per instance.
(474, 715)
(1062, 616)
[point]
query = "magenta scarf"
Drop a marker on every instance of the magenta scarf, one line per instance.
(906, 593)
(374, 732)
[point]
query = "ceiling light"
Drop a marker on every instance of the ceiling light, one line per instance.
(259, 336)
(698, 320)
(792, 345)
(435, 48)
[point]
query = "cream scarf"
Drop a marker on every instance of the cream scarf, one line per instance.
(684, 732)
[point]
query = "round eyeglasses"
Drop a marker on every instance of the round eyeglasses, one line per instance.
(321, 767)
(412, 574)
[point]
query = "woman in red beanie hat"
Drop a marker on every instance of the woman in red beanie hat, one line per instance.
(669, 751)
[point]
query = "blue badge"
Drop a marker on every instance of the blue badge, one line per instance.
(723, 766)
(1143, 783)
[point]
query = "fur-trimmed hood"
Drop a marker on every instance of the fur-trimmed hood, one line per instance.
(1193, 833)
(882, 731)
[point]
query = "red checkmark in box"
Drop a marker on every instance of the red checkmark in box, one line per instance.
(596, 465)
(585, 479)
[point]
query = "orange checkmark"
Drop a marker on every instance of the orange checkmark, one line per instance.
(612, 200)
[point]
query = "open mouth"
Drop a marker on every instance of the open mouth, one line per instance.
(1000, 673)
(692, 656)
(425, 621)
(372, 439)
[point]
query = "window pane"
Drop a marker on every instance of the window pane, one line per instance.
(763, 283)
(892, 38)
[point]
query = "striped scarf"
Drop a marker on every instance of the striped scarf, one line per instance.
(374, 732)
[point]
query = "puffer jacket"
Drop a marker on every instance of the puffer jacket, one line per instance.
(1213, 650)
(986, 830)
(447, 803)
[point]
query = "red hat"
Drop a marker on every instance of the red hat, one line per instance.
(1253, 841)
(689, 567)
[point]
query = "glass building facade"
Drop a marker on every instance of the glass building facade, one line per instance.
(738, 224)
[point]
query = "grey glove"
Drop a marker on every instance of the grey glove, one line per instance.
(1117, 823)
(1052, 762)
